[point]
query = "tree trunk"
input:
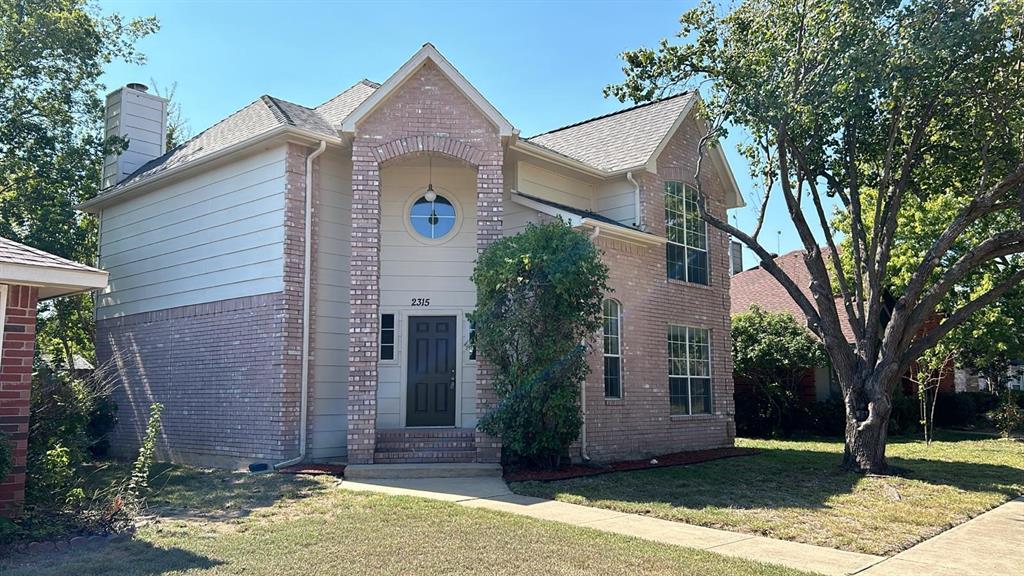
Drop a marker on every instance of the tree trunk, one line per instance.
(865, 441)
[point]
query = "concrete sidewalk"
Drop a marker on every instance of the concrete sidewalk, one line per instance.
(493, 494)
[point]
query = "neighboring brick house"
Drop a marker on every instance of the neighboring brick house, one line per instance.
(27, 275)
(366, 358)
(757, 287)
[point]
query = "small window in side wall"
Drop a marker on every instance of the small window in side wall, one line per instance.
(387, 336)
(612, 333)
(471, 338)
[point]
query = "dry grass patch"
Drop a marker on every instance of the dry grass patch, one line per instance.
(219, 523)
(795, 490)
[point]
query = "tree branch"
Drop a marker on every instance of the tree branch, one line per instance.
(914, 351)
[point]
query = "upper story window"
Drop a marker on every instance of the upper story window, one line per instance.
(689, 370)
(432, 216)
(687, 247)
(612, 349)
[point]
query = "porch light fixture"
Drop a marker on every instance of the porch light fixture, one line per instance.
(430, 195)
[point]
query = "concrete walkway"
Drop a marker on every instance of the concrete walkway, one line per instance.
(990, 544)
(493, 494)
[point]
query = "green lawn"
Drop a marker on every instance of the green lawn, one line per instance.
(221, 523)
(794, 490)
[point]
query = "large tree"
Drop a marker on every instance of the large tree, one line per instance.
(52, 142)
(875, 105)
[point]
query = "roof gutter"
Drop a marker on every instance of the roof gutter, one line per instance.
(307, 260)
(105, 198)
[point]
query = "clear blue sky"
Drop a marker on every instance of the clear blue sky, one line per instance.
(542, 64)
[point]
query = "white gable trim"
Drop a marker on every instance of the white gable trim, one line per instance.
(428, 52)
(734, 198)
(52, 281)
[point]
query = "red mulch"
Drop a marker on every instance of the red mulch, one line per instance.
(315, 469)
(674, 459)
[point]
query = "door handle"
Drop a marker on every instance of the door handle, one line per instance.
(451, 383)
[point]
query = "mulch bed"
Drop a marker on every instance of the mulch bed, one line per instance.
(315, 469)
(663, 461)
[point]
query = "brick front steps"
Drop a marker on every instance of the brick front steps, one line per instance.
(425, 446)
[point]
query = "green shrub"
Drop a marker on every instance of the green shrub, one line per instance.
(905, 416)
(70, 420)
(539, 296)
(771, 352)
(826, 418)
(1008, 416)
(5, 456)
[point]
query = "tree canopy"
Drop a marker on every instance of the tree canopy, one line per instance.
(885, 106)
(52, 142)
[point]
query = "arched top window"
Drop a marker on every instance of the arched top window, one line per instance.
(612, 333)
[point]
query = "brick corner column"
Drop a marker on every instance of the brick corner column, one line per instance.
(364, 300)
(19, 334)
(489, 213)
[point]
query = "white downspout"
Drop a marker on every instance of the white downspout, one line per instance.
(307, 262)
(639, 220)
(584, 454)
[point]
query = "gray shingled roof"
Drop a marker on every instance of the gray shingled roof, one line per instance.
(338, 108)
(266, 113)
(12, 252)
(620, 140)
(616, 141)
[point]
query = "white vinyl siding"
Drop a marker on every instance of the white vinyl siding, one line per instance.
(331, 305)
(616, 199)
(213, 236)
(554, 186)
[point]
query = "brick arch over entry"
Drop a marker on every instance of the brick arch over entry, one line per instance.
(428, 114)
(423, 145)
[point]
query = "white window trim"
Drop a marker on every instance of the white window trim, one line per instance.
(685, 245)
(3, 314)
(618, 354)
(380, 338)
(689, 391)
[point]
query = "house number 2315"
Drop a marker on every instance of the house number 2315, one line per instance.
(421, 301)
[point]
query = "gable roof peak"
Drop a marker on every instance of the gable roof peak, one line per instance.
(411, 66)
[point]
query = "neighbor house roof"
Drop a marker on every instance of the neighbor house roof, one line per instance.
(55, 276)
(620, 140)
(757, 287)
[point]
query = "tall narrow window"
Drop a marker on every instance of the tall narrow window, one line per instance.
(612, 349)
(687, 247)
(471, 339)
(689, 370)
(387, 336)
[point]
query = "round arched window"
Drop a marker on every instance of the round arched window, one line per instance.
(432, 216)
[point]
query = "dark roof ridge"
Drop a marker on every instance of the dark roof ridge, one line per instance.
(614, 113)
(276, 109)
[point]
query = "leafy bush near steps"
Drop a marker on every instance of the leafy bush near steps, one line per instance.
(540, 295)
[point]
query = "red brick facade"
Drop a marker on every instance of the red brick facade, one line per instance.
(19, 333)
(222, 371)
(426, 115)
(639, 424)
